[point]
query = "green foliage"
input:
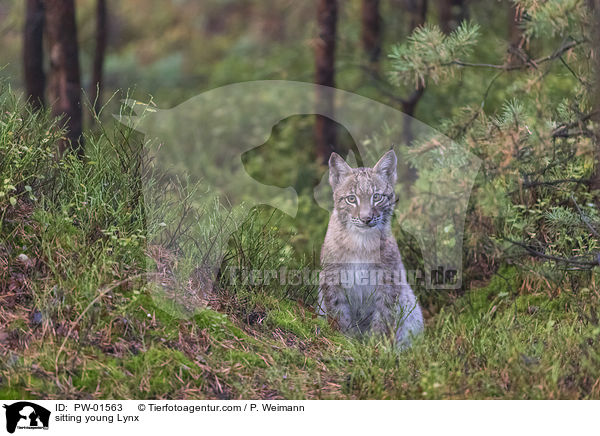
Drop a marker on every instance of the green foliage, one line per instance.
(27, 139)
(76, 236)
(563, 18)
(531, 200)
(428, 51)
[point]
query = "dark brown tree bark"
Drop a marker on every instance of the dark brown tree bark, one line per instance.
(371, 30)
(325, 128)
(64, 84)
(98, 66)
(515, 37)
(417, 11)
(33, 53)
(451, 14)
(594, 6)
(445, 15)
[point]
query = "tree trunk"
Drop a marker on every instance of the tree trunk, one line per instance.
(325, 128)
(371, 30)
(515, 37)
(64, 88)
(417, 11)
(594, 6)
(451, 14)
(33, 53)
(97, 68)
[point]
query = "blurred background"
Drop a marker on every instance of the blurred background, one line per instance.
(466, 68)
(176, 49)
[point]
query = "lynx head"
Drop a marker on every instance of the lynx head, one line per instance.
(363, 198)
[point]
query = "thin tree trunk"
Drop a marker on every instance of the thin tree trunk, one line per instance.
(371, 30)
(97, 68)
(64, 88)
(451, 14)
(417, 11)
(515, 36)
(33, 53)
(445, 17)
(325, 128)
(594, 6)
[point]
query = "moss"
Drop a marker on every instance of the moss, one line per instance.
(160, 370)
(216, 323)
(287, 317)
(15, 393)
(19, 325)
(96, 374)
(245, 358)
(288, 357)
(503, 284)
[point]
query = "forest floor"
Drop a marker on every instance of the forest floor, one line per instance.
(117, 341)
(491, 343)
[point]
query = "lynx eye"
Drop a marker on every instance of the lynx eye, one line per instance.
(351, 199)
(377, 198)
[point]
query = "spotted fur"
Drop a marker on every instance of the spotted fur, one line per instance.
(358, 244)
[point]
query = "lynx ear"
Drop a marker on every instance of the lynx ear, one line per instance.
(386, 167)
(338, 169)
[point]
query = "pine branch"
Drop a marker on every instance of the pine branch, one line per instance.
(584, 218)
(526, 64)
(563, 131)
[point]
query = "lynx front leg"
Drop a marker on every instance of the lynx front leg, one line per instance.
(380, 322)
(340, 311)
(333, 303)
(410, 322)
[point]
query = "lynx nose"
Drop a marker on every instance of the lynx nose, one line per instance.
(367, 219)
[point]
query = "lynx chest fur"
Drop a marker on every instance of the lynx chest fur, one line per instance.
(363, 284)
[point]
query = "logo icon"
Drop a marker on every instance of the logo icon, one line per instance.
(26, 415)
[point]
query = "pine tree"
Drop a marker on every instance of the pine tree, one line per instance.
(64, 84)
(371, 30)
(325, 128)
(98, 65)
(33, 52)
(534, 201)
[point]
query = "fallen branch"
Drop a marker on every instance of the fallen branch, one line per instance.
(572, 261)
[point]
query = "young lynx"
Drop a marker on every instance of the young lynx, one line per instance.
(363, 282)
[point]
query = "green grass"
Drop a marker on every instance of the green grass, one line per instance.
(79, 318)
